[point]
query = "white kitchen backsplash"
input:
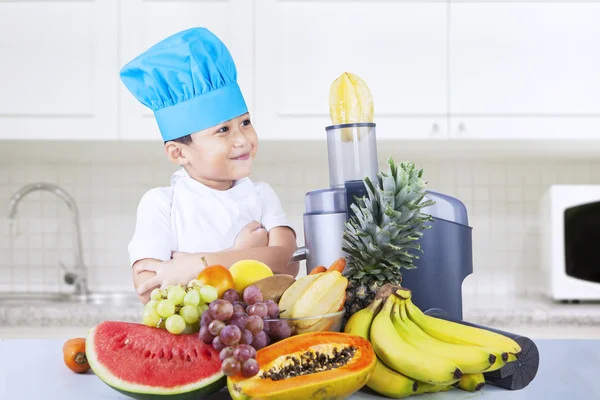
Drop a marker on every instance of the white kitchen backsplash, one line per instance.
(501, 198)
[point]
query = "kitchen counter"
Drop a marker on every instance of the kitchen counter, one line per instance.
(491, 311)
(32, 369)
(534, 310)
(57, 314)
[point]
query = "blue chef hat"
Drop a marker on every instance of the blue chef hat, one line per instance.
(188, 80)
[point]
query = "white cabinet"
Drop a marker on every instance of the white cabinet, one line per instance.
(146, 22)
(398, 48)
(437, 69)
(57, 66)
(525, 70)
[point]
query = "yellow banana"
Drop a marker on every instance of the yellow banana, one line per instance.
(456, 333)
(383, 380)
(390, 383)
(404, 293)
(502, 358)
(499, 358)
(471, 382)
(470, 359)
(405, 358)
(435, 388)
(360, 322)
(501, 361)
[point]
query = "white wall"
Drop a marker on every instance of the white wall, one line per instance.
(501, 196)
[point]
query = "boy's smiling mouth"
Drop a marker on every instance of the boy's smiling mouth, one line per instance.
(242, 157)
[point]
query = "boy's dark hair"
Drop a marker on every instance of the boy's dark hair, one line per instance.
(187, 139)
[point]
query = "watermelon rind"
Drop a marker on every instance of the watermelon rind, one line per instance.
(194, 390)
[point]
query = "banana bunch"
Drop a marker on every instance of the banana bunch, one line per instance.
(417, 353)
(350, 101)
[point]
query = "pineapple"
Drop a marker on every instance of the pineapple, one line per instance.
(381, 238)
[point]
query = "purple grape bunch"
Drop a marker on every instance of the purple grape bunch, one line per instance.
(236, 327)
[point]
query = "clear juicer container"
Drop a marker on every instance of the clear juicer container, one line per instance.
(352, 152)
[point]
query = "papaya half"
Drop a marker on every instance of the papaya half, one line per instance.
(320, 365)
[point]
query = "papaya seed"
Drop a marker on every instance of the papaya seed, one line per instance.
(309, 363)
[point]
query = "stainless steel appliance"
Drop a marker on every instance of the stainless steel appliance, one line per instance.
(447, 260)
(352, 156)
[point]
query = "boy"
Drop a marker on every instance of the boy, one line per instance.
(211, 209)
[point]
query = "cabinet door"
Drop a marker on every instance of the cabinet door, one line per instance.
(522, 70)
(398, 48)
(58, 69)
(146, 22)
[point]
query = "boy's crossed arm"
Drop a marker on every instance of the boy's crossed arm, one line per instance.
(273, 248)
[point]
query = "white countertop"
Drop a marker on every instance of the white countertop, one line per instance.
(531, 310)
(535, 318)
(491, 311)
(34, 369)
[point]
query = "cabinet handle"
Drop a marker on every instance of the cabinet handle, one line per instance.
(435, 128)
(461, 128)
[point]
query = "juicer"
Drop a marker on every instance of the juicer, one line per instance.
(352, 156)
(436, 282)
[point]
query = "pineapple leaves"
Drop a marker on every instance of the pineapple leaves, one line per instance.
(393, 167)
(382, 236)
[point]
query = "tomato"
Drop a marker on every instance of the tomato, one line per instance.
(218, 277)
(74, 355)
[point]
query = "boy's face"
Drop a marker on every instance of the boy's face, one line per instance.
(220, 154)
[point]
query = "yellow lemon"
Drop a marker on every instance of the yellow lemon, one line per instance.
(247, 272)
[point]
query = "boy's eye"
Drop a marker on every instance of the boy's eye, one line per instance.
(246, 122)
(223, 129)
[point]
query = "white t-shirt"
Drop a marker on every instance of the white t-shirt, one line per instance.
(191, 217)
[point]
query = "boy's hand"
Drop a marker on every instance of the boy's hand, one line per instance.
(181, 269)
(252, 235)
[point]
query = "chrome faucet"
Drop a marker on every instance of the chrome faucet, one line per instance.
(78, 275)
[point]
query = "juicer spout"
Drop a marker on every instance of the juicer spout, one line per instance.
(299, 255)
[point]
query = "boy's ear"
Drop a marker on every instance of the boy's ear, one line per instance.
(175, 153)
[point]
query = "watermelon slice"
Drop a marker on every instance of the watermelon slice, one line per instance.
(145, 363)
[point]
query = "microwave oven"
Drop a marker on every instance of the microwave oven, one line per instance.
(570, 242)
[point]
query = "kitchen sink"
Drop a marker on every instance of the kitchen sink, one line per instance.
(100, 298)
